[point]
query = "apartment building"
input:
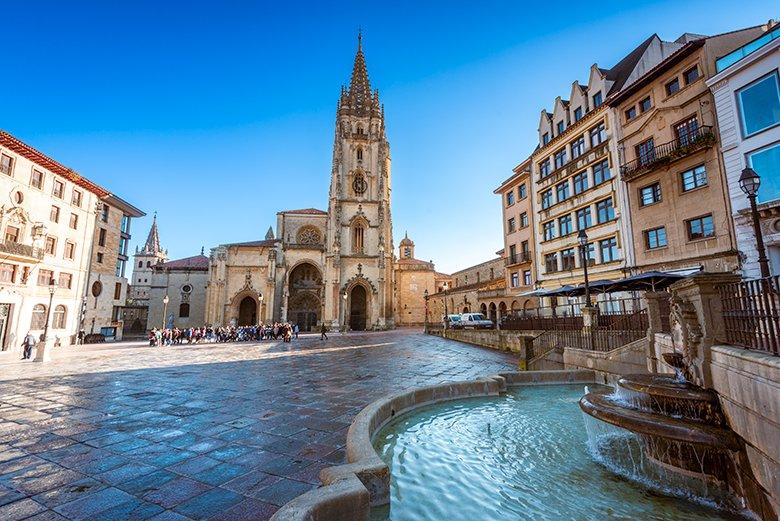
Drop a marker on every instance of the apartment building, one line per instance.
(746, 88)
(671, 166)
(47, 219)
(107, 287)
(517, 211)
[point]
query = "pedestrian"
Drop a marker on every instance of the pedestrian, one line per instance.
(296, 329)
(323, 331)
(28, 343)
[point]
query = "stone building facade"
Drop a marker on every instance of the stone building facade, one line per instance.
(478, 288)
(413, 278)
(334, 267)
(48, 225)
(671, 165)
(746, 87)
(107, 287)
(184, 282)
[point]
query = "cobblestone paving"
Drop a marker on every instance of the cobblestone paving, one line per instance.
(200, 432)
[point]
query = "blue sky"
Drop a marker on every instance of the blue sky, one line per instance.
(219, 114)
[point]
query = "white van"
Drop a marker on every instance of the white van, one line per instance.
(475, 320)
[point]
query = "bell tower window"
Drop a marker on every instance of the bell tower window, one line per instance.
(358, 236)
(360, 154)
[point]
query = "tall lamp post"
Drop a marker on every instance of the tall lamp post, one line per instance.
(582, 237)
(165, 310)
(260, 315)
(749, 182)
(426, 296)
(42, 354)
(343, 311)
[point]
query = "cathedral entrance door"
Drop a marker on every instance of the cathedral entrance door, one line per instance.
(247, 312)
(304, 310)
(357, 309)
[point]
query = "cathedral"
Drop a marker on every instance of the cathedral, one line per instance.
(332, 266)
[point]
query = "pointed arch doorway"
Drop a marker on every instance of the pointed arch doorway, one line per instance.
(358, 308)
(247, 312)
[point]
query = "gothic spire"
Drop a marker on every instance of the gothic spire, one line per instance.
(358, 99)
(152, 244)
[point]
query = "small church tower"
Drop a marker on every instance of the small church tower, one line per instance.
(144, 261)
(359, 253)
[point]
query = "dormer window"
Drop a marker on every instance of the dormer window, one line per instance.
(560, 127)
(545, 138)
(630, 113)
(577, 114)
(597, 100)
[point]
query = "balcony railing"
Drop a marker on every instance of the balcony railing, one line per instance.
(665, 153)
(517, 258)
(21, 250)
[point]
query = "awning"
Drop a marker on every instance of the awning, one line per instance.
(648, 281)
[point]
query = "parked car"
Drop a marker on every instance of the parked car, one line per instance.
(452, 321)
(475, 320)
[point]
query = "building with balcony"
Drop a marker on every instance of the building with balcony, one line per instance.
(678, 206)
(746, 90)
(48, 225)
(519, 239)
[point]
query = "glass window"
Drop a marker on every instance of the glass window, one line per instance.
(609, 250)
(590, 253)
(66, 279)
(58, 319)
(655, 238)
(125, 226)
(54, 214)
(560, 127)
(76, 198)
(598, 135)
(58, 189)
(547, 198)
(102, 237)
(44, 277)
(36, 179)
(51, 245)
(6, 164)
(560, 158)
(12, 234)
(700, 227)
(631, 113)
(567, 259)
(515, 279)
(184, 310)
(578, 114)
(693, 178)
(510, 198)
(562, 191)
(605, 211)
(38, 317)
(523, 219)
(527, 278)
(601, 172)
(7, 272)
(687, 131)
(70, 251)
(584, 219)
(766, 163)
(650, 194)
(74, 221)
(522, 191)
(551, 262)
(564, 225)
(548, 230)
(545, 138)
(544, 168)
(645, 151)
(580, 182)
(511, 225)
(597, 100)
(577, 147)
(673, 86)
(691, 75)
(645, 104)
(759, 104)
(104, 213)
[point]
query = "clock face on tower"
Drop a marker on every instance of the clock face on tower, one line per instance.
(359, 184)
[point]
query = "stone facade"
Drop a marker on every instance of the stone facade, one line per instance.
(413, 278)
(740, 150)
(184, 282)
(478, 288)
(672, 170)
(334, 267)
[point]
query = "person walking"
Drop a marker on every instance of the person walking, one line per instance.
(28, 343)
(296, 330)
(323, 331)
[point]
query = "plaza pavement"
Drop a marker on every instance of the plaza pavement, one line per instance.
(215, 431)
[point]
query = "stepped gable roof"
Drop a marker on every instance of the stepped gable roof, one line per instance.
(197, 262)
(305, 211)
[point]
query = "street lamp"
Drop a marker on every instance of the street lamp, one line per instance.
(426, 296)
(262, 315)
(749, 182)
(165, 310)
(344, 311)
(582, 237)
(52, 289)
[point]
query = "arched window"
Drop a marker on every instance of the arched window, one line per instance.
(148, 264)
(60, 314)
(140, 264)
(360, 154)
(184, 310)
(358, 236)
(38, 317)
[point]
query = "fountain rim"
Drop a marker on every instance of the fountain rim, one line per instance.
(644, 383)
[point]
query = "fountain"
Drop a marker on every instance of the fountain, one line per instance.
(669, 434)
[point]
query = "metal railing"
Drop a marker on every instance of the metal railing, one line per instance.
(518, 258)
(751, 313)
(612, 334)
(664, 153)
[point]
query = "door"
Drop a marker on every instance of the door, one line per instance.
(247, 312)
(357, 309)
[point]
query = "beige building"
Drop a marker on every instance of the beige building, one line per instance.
(478, 288)
(48, 224)
(334, 267)
(107, 287)
(184, 282)
(671, 165)
(519, 239)
(413, 278)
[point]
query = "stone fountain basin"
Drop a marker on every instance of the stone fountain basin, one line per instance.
(666, 386)
(600, 406)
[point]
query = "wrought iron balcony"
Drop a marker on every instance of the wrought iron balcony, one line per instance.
(665, 153)
(517, 258)
(24, 251)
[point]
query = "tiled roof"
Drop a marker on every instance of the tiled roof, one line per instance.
(198, 262)
(306, 211)
(265, 242)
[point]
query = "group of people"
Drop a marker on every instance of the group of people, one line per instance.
(195, 335)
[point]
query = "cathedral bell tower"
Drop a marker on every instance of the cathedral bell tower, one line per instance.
(360, 229)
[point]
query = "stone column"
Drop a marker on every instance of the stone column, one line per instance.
(697, 296)
(655, 301)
